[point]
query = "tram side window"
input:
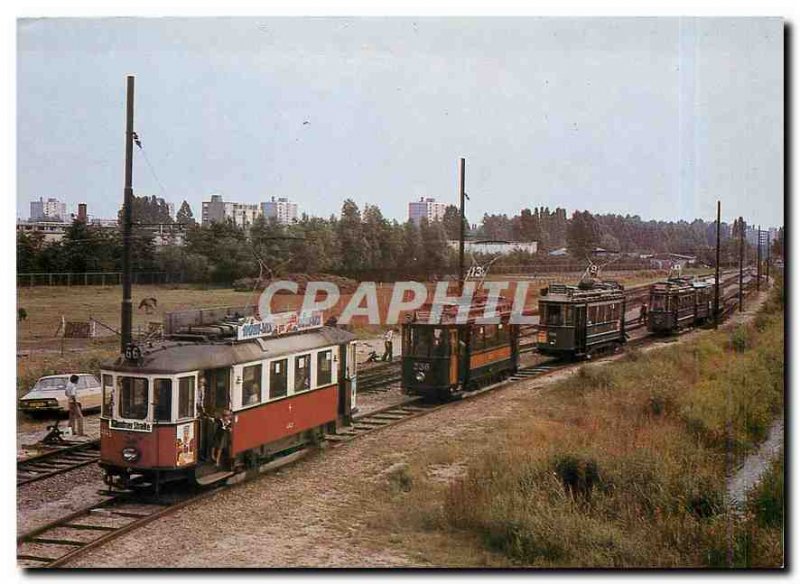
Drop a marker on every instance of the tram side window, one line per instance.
(591, 314)
(163, 391)
(251, 385)
(108, 389)
(324, 368)
(132, 397)
(277, 379)
(502, 334)
(302, 373)
(186, 397)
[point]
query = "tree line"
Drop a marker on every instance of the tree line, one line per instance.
(359, 243)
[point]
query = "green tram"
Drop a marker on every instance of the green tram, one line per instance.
(447, 357)
(578, 321)
(679, 303)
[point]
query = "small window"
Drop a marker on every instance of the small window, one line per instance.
(324, 368)
(277, 379)
(251, 385)
(108, 393)
(440, 344)
(490, 335)
(133, 397)
(302, 373)
(163, 410)
(186, 397)
(553, 315)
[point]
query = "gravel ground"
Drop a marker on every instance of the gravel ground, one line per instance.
(48, 499)
(302, 515)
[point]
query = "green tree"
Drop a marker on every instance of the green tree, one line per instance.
(452, 222)
(583, 234)
(185, 215)
(352, 243)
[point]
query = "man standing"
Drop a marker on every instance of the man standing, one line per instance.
(643, 313)
(387, 343)
(75, 413)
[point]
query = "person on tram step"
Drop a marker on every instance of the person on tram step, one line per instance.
(222, 436)
(643, 313)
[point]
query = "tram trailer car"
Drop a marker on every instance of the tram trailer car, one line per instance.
(679, 303)
(577, 321)
(442, 360)
(160, 412)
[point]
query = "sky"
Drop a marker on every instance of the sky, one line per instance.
(657, 117)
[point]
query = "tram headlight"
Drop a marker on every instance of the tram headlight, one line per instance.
(420, 376)
(130, 454)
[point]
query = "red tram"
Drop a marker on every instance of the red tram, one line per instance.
(283, 387)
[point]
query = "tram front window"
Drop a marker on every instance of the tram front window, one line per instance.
(133, 393)
(659, 302)
(428, 342)
(553, 315)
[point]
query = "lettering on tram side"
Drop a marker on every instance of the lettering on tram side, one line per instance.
(133, 426)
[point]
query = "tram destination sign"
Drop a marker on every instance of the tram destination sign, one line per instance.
(281, 323)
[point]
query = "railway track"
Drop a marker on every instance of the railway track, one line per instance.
(378, 378)
(58, 542)
(64, 459)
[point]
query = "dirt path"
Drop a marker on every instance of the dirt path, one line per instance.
(317, 513)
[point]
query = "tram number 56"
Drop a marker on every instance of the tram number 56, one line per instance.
(133, 353)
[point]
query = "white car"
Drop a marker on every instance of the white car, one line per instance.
(48, 394)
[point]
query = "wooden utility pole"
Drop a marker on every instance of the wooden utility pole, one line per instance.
(758, 261)
(741, 264)
(716, 274)
(768, 253)
(127, 225)
(462, 231)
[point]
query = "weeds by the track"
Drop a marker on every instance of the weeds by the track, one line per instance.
(621, 465)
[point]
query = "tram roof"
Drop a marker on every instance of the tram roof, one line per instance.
(178, 357)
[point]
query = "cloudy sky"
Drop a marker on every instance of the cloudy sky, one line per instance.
(651, 116)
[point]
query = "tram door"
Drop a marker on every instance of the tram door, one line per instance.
(580, 329)
(216, 398)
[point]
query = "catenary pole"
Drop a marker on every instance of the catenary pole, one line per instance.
(462, 231)
(716, 273)
(127, 223)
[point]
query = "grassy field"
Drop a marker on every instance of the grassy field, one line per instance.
(45, 305)
(39, 349)
(621, 465)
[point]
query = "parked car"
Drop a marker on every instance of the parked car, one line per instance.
(48, 394)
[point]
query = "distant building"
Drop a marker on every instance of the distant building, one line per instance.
(282, 209)
(426, 207)
(49, 210)
(53, 231)
(492, 246)
(216, 210)
(83, 214)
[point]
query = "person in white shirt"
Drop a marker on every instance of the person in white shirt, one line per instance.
(387, 343)
(75, 413)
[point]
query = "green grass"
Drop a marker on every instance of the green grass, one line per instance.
(621, 465)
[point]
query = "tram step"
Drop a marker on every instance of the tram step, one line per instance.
(214, 477)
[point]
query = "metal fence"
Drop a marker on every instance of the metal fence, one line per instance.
(94, 278)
